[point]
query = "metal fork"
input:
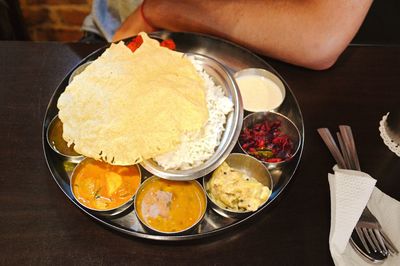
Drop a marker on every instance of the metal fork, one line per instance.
(368, 228)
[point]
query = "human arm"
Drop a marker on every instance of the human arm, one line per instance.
(132, 25)
(309, 33)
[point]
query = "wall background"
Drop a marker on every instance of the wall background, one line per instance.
(55, 20)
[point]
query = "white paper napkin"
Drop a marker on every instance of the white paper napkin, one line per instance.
(350, 192)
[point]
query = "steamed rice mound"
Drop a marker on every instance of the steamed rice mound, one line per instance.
(198, 146)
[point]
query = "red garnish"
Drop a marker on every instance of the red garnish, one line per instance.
(274, 160)
(138, 40)
(135, 43)
(169, 43)
(267, 142)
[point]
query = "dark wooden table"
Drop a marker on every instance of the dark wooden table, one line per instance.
(40, 226)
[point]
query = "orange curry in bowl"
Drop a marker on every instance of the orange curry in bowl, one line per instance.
(170, 206)
(100, 186)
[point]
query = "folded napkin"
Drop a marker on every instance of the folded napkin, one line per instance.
(350, 192)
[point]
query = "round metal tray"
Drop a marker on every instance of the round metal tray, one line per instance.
(234, 58)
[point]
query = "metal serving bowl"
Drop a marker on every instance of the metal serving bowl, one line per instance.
(265, 74)
(194, 225)
(109, 212)
(70, 158)
(287, 127)
(232, 127)
(252, 168)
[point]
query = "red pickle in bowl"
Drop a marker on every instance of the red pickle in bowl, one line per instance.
(266, 142)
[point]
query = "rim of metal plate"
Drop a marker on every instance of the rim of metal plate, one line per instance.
(235, 58)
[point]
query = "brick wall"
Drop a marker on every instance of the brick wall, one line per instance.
(55, 20)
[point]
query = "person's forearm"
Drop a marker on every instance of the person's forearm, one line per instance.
(303, 32)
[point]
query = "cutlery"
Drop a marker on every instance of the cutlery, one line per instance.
(333, 148)
(368, 226)
(368, 230)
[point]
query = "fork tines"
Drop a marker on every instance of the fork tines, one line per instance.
(368, 229)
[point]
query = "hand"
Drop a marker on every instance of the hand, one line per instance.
(133, 24)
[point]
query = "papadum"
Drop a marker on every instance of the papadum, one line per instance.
(126, 107)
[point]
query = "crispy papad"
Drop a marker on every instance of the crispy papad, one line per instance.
(126, 107)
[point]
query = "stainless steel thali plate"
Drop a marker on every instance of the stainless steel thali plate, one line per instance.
(234, 58)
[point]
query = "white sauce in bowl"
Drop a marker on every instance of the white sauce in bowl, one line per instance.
(259, 93)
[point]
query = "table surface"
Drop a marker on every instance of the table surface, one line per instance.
(39, 225)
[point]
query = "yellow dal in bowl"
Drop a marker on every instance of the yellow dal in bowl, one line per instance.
(170, 206)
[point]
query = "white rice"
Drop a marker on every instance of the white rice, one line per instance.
(198, 146)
